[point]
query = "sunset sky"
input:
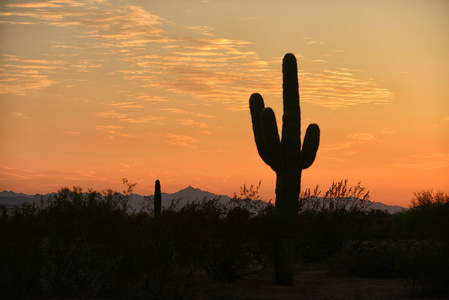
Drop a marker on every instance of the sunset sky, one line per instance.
(92, 91)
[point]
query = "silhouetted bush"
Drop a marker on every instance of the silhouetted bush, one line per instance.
(91, 245)
(326, 222)
(427, 218)
(412, 244)
(221, 239)
(426, 223)
(77, 244)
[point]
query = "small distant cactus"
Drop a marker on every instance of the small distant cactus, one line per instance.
(157, 199)
(287, 159)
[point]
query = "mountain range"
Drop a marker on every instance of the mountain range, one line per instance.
(9, 198)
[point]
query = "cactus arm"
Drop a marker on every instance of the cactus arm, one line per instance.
(310, 146)
(266, 133)
(256, 106)
(271, 140)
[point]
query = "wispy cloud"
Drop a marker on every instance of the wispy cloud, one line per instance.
(112, 131)
(9, 172)
(310, 41)
(110, 114)
(192, 123)
(46, 4)
(195, 62)
(4, 167)
(22, 76)
(136, 98)
(20, 115)
(129, 165)
(203, 30)
(389, 131)
(340, 88)
(362, 137)
(34, 5)
(354, 139)
(427, 161)
(181, 140)
(315, 43)
(127, 104)
(127, 117)
(17, 175)
(85, 66)
(187, 112)
(142, 119)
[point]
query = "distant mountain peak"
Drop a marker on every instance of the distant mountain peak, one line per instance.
(192, 188)
(11, 194)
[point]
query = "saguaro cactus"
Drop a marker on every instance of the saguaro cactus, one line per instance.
(157, 199)
(287, 159)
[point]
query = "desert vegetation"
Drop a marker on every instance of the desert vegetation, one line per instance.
(90, 244)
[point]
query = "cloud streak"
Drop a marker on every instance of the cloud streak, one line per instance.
(22, 76)
(127, 117)
(181, 140)
(113, 132)
(354, 140)
(197, 63)
(192, 123)
(339, 89)
(426, 161)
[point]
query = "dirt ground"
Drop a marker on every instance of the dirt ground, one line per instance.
(311, 282)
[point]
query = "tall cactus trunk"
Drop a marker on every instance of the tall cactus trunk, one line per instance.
(287, 159)
(287, 197)
(286, 214)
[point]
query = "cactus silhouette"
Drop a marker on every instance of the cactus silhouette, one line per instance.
(287, 159)
(157, 199)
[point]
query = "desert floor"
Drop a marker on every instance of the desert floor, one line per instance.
(311, 282)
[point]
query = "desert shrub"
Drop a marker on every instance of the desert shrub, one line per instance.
(425, 266)
(238, 250)
(96, 217)
(19, 265)
(370, 258)
(422, 263)
(224, 240)
(326, 222)
(427, 218)
(90, 244)
(412, 244)
(427, 224)
(86, 245)
(426, 198)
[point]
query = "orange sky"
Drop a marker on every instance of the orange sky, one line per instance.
(92, 91)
